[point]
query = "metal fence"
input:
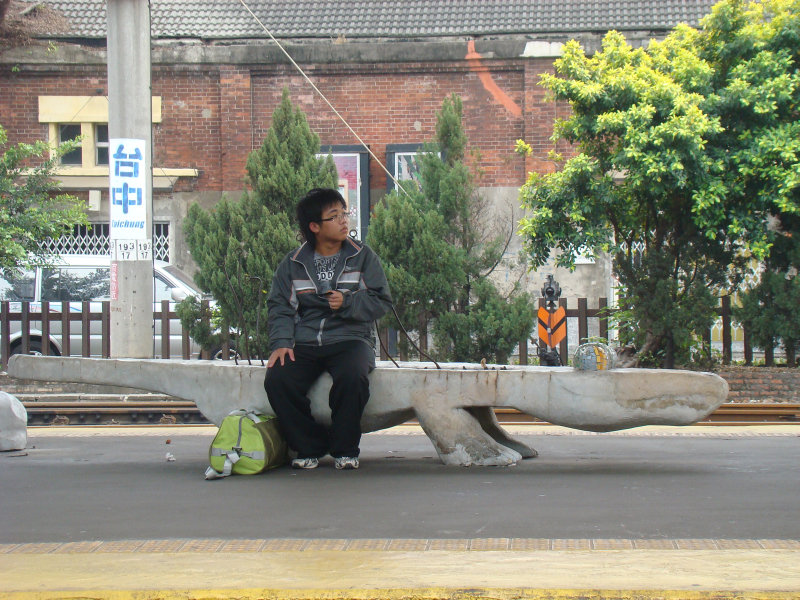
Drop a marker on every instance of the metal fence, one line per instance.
(726, 336)
(79, 329)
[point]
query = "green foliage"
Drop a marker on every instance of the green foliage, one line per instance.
(755, 51)
(423, 270)
(657, 299)
(238, 245)
(770, 310)
(490, 328)
(31, 210)
(202, 322)
(437, 255)
(685, 149)
(282, 169)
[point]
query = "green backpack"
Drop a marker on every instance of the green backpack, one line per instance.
(247, 443)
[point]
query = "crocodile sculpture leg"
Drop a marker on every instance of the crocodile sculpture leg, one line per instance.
(460, 440)
(488, 422)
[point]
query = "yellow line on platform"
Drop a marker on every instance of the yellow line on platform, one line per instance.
(403, 594)
(330, 574)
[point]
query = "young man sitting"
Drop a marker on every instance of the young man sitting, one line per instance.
(324, 299)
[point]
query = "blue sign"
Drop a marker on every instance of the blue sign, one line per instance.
(127, 189)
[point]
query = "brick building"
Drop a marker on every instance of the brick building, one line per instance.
(217, 77)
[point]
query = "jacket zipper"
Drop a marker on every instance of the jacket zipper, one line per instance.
(344, 268)
(321, 327)
(335, 286)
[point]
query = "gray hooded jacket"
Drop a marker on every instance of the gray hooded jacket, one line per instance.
(299, 314)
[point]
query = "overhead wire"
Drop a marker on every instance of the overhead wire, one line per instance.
(321, 95)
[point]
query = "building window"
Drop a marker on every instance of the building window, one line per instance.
(92, 153)
(68, 133)
(101, 144)
(352, 164)
(70, 117)
(406, 166)
(403, 162)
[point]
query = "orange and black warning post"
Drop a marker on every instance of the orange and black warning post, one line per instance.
(552, 324)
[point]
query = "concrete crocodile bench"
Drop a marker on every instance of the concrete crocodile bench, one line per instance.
(453, 404)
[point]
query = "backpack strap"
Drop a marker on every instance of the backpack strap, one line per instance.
(231, 458)
(249, 413)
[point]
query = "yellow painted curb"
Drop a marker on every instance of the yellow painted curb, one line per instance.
(322, 574)
(399, 594)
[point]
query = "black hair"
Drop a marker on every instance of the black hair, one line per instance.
(310, 207)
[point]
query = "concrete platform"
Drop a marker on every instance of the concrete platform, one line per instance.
(655, 512)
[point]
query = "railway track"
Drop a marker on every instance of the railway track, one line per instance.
(55, 413)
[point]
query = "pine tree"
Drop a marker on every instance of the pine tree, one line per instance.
(238, 245)
(438, 255)
(424, 271)
(286, 165)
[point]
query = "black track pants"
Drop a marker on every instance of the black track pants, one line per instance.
(349, 364)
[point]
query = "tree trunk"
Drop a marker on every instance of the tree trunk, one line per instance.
(650, 345)
(669, 353)
(791, 354)
(423, 332)
(4, 4)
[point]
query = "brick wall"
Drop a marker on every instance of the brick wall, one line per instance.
(190, 132)
(213, 115)
(397, 104)
(19, 97)
(762, 384)
(541, 113)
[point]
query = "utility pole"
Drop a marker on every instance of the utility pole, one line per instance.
(130, 178)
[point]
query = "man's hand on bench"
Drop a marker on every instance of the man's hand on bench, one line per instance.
(279, 355)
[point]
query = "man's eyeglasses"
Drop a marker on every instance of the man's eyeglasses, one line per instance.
(341, 218)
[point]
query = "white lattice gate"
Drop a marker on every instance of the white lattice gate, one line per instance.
(93, 240)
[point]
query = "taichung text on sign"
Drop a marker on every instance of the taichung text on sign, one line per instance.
(129, 234)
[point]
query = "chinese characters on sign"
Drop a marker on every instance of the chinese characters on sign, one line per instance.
(130, 239)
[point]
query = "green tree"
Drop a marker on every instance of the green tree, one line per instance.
(438, 255)
(769, 309)
(769, 312)
(238, 245)
(31, 210)
(684, 150)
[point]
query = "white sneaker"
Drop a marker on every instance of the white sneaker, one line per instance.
(305, 463)
(346, 462)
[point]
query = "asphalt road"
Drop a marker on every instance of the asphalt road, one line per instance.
(75, 486)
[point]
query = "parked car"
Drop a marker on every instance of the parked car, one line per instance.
(73, 279)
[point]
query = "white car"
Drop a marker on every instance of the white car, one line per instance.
(77, 278)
